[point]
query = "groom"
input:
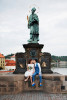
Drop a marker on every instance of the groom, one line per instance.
(37, 72)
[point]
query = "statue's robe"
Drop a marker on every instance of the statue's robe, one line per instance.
(33, 24)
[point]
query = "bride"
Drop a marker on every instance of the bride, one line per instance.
(30, 71)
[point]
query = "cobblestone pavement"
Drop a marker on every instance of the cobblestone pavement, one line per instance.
(34, 96)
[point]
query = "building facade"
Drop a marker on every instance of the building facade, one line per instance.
(2, 61)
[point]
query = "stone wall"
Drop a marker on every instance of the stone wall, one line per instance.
(11, 84)
(52, 83)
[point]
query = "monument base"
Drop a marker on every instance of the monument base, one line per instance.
(19, 71)
(22, 71)
(46, 71)
(33, 51)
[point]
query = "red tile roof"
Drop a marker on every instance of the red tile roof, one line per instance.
(6, 60)
(10, 62)
(1, 56)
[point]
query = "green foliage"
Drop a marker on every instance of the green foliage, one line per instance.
(8, 56)
(59, 58)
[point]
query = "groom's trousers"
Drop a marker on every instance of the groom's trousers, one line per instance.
(40, 77)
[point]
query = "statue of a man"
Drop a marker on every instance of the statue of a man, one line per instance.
(33, 25)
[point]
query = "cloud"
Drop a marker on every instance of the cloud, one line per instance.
(52, 25)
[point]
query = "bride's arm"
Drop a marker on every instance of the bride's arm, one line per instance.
(33, 69)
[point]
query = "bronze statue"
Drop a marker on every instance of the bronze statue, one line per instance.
(33, 25)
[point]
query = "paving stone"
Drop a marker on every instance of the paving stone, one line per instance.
(34, 96)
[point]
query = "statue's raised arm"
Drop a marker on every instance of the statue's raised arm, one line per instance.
(33, 25)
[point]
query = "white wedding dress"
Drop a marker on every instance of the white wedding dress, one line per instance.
(29, 72)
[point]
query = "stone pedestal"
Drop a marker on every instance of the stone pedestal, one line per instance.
(33, 51)
(20, 63)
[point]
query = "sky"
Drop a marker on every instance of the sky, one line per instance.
(52, 25)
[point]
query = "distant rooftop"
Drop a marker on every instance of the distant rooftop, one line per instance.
(1, 56)
(10, 63)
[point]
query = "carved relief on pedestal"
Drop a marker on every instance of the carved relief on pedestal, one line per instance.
(21, 65)
(43, 64)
